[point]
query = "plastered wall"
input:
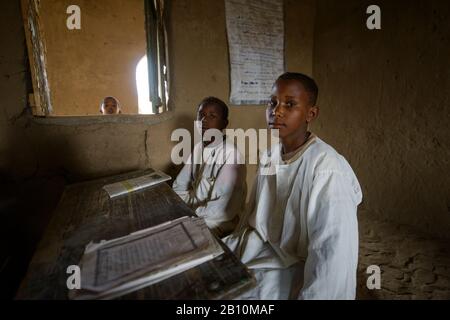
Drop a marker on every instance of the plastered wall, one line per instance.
(385, 105)
(99, 60)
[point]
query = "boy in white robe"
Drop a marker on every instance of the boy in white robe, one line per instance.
(300, 232)
(212, 182)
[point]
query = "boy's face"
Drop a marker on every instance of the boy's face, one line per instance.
(289, 109)
(211, 117)
(110, 106)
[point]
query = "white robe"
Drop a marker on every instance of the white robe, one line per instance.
(300, 234)
(216, 188)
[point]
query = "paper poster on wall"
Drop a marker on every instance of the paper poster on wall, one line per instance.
(255, 30)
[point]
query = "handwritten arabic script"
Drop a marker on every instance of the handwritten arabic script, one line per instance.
(256, 42)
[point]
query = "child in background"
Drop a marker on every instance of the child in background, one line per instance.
(110, 105)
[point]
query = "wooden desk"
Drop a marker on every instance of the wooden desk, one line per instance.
(85, 213)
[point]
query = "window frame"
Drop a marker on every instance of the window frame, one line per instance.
(40, 99)
(157, 54)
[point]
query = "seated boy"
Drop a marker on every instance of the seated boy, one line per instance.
(110, 105)
(212, 182)
(300, 232)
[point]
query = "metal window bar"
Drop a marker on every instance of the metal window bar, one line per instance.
(156, 53)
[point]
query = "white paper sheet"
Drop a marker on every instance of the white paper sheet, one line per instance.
(131, 185)
(115, 267)
(255, 31)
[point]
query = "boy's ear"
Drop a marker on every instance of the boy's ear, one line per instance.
(313, 113)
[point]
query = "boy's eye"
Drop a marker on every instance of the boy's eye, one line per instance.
(290, 104)
(272, 104)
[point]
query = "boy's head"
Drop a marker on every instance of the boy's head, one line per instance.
(213, 113)
(110, 105)
(292, 105)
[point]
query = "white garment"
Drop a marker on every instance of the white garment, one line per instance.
(302, 226)
(216, 188)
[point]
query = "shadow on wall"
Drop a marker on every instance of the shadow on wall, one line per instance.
(28, 195)
(25, 211)
(187, 123)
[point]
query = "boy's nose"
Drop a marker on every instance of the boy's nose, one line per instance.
(277, 111)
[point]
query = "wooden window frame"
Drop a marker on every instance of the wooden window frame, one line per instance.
(157, 55)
